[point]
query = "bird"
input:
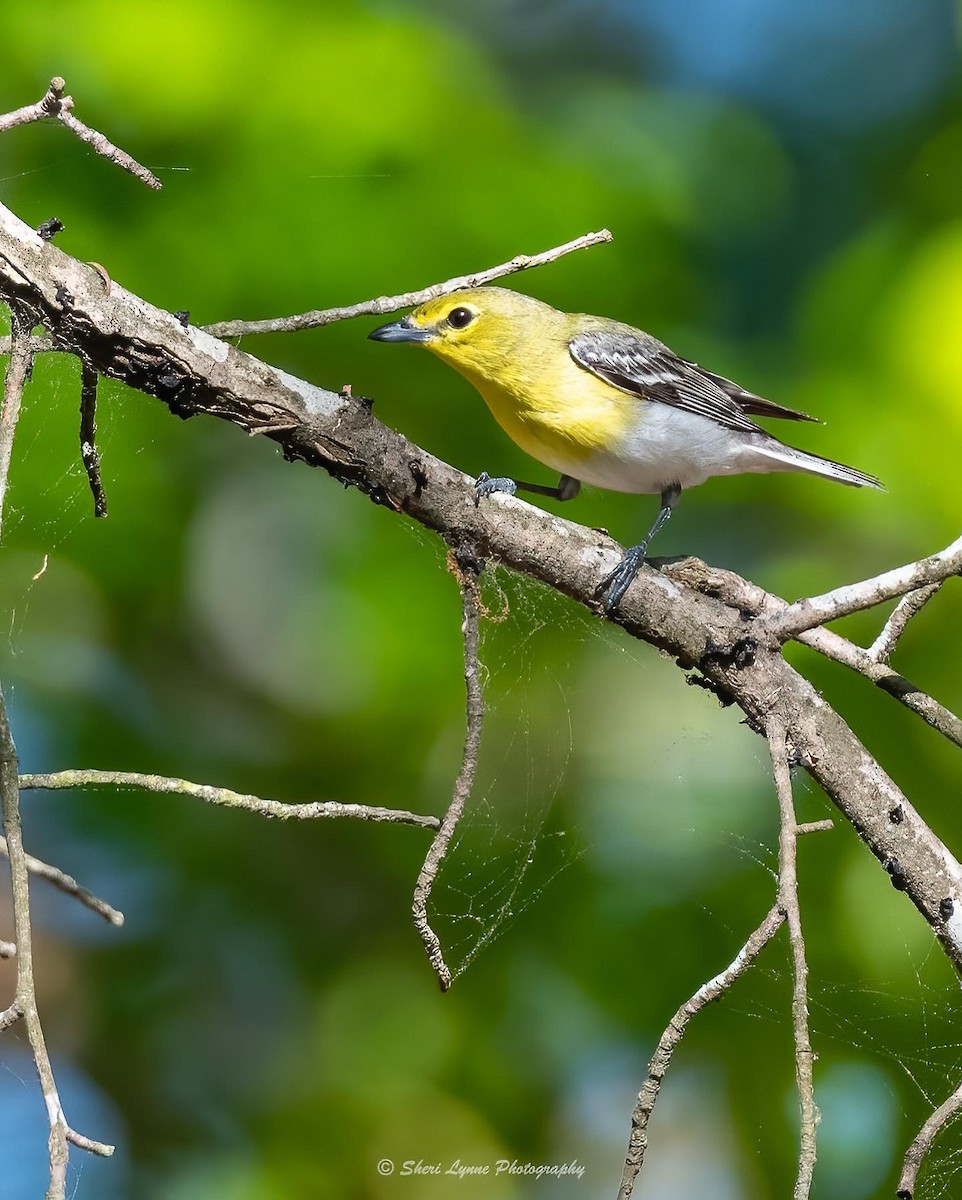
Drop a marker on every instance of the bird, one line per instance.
(603, 404)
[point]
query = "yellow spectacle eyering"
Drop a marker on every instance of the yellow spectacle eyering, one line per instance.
(603, 403)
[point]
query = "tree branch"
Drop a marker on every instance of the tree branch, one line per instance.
(464, 571)
(126, 338)
(817, 610)
(24, 1006)
(15, 378)
(947, 1111)
(753, 600)
(59, 780)
(55, 106)
(389, 304)
(910, 604)
(713, 990)
(67, 884)
(788, 903)
(88, 434)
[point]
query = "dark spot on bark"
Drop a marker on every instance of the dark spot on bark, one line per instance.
(946, 908)
(50, 228)
(419, 475)
(468, 559)
(63, 296)
(183, 316)
(895, 872)
(897, 814)
(725, 699)
(738, 655)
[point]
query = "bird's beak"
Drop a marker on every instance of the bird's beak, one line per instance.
(401, 331)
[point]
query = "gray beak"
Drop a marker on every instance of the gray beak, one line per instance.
(401, 331)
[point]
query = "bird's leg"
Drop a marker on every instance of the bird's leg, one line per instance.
(616, 583)
(484, 485)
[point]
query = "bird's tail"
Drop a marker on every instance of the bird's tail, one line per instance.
(773, 455)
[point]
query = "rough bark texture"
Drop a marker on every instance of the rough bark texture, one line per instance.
(191, 372)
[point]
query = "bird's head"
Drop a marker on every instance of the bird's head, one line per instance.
(474, 329)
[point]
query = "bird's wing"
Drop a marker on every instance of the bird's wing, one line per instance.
(641, 365)
(757, 406)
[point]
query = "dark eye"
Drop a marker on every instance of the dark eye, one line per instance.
(458, 318)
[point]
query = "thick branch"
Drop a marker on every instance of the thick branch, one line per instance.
(389, 304)
(126, 338)
(223, 796)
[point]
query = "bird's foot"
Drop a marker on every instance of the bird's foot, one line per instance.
(484, 485)
(616, 582)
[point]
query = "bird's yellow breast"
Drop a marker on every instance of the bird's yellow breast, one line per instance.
(554, 410)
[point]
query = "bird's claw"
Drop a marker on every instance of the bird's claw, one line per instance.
(616, 582)
(485, 485)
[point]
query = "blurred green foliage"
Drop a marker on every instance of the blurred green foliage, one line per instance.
(265, 1026)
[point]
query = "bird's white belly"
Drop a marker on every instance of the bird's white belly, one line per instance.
(663, 446)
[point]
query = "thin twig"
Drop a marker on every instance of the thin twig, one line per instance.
(816, 610)
(16, 376)
(474, 710)
(88, 433)
(788, 903)
(910, 604)
(59, 780)
(389, 304)
(714, 989)
(66, 883)
(24, 1006)
(55, 106)
(947, 1111)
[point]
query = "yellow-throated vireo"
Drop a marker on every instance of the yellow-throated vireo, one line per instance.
(604, 404)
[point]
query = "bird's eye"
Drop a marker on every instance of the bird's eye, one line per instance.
(458, 318)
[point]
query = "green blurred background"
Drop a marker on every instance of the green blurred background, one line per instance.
(784, 183)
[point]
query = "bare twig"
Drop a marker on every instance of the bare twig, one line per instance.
(223, 796)
(88, 433)
(825, 826)
(16, 376)
(56, 106)
(24, 1006)
(788, 903)
(816, 610)
(474, 709)
(66, 883)
(389, 304)
(947, 1111)
(714, 989)
(910, 604)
